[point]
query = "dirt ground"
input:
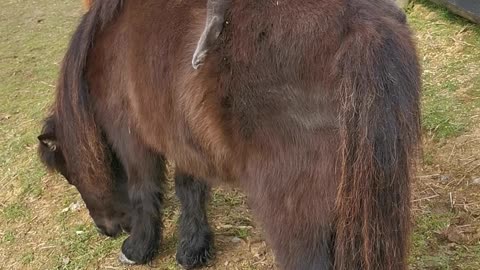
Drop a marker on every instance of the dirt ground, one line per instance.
(44, 224)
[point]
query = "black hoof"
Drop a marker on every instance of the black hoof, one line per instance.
(196, 252)
(137, 252)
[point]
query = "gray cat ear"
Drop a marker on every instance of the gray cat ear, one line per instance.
(48, 140)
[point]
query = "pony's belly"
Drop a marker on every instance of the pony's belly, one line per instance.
(186, 152)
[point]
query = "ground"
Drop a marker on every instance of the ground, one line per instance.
(44, 225)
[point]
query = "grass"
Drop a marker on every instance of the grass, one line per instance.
(432, 251)
(449, 46)
(14, 212)
(424, 253)
(38, 229)
(34, 37)
(8, 237)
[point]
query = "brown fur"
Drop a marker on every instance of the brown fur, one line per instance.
(311, 107)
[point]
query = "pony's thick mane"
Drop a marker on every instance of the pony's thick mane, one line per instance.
(77, 130)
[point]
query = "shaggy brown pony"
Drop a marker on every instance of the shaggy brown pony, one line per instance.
(310, 106)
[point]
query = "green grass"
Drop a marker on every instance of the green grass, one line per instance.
(431, 251)
(449, 47)
(8, 237)
(425, 253)
(242, 233)
(34, 37)
(14, 212)
(27, 258)
(450, 50)
(85, 247)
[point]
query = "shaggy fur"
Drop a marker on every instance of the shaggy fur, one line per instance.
(311, 107)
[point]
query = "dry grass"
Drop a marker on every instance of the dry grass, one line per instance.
(44, 225)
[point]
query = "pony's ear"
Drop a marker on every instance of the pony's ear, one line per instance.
(49, 140)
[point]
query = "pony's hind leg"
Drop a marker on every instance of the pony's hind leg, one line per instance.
(299, 242)
(146, 176)
(297, 213)
(195, 246)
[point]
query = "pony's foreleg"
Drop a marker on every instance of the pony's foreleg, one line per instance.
(195, 247)
(146, 175)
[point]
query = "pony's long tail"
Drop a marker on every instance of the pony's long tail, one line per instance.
(380, 133)
(73, 108)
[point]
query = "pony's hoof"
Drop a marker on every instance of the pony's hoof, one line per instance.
(138, 250)
(193, 256)
(123, 259)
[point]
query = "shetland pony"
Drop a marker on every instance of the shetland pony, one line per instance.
(311, 107)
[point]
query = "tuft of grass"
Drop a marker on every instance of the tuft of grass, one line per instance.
(242, 233)
(428, 157)
(27, 258)
(14, 212)
(443, 116)
(8, 237)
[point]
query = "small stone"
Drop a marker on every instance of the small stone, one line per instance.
(444, 178)
(476, 181)
(66, 260)
(79, 232)
(72, 207)
(236, 240)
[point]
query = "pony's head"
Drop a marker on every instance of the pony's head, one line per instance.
(110, 208)
(50, 151)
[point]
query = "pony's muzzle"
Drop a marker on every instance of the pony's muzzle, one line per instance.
(110, 231)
